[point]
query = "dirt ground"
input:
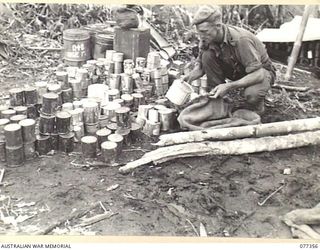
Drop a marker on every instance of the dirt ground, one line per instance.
(53, 194)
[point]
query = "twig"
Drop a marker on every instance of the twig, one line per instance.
(193, 227)
(96, 218)
(104, 209)
(269, 196)
(1, 175)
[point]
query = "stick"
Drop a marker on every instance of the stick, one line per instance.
(1, 175)
(235, 147)
(267, 129)
(270, 195)
(296, 48)
(96, 218)
(45, 48)
(193, 227)
(290, 88)
(79, 214)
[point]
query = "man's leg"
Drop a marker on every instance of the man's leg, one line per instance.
(255, 94)
(212, 68)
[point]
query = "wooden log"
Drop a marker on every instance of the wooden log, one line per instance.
(296, 48)
(290, 88)
(235, 147)
(267, 129)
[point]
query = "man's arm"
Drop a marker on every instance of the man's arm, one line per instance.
(244, 82)
(195, 74)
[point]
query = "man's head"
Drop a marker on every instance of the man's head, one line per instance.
(208, 21)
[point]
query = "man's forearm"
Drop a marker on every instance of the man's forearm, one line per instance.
(196, 73)
(248, 80)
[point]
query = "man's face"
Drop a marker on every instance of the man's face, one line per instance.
(209, 33)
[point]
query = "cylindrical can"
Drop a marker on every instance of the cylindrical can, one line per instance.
(29, 150)
(90, 112)
(118, 67)
(112, 126)
(13, 135)
(109, 152)
(113, 94)
(109, 54)
(117, 57)
(66, 142)
(67, 95)
(89, 146)
(63, 122)
(43, 145)
(5, 107)
(203, 82)
(76, 87)
(6, 114)
(153, 115)
(21, 110)
(128, 100)
(77, 47)
(14, 156)
(17, 118)
(54, 140)
(3, 123)
(91, 128)
(115, 81)
(78, 132)
(83, 75)
(67, 106)
(123, 117)
(16, 97)
(119, 101)
(166, 119)
(32, 111)
(102, 135)
(31, 96)
(62, 76)
(143, 110)
(47, 124)
(77, 104)
(98, 91)
(140, 62)
(28, 130)
(2, 150)
(76, 116)
(49, 103)
(152, 128)
(125, 133)
(117, 139)
(135, 132)
(103, 121)
(41, 87)
(126, 83)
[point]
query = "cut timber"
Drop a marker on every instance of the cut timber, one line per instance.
(235, 147)
(267, 129)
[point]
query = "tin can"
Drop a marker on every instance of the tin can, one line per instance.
(3, 123)
(125, 133)
(76, 116)
(166, 119)
(43, 144)
(123, 117)
(126, 83)
(91, 128)
(16, 97)
(28, 130)
(78, 132)
(62, 76)
(77, 104)
(118, 101)
(91, 112)
(29, 150)
(41, 87)
(128, 100)
(103, 121)
(13, 135)
(32, 111)
(54, 140)
(153, 115)
(113, 94)
(109, 152)
(17, 118)
(50, 103)
(67, 95)
(63, 122)
(109, 54)
(2, 149)
(21, 110)
(115, 81)
(89, 146)
(47, 124)
(66, 142)
(67, 106)
(116, 138)
(102, 135)
(14, 156)
(135, 132)
(140, 62)
(31, 95)
(6, 114)
(138, 99)
(112, 126)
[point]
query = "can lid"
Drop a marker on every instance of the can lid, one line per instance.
(112, 126)
(50, 96)
(8, 112)
(67, 136)
(123, 131)
(61, 73)
(4, 121)
(16, 118)
(122, 110)
(42, 137)
(127, 97)
(30, 89)
(165, 111)
(15, 90)
(54, 87)
(109, 145)
(90, 104)
(63, 115)
(12, 127)
(137, 95)
(103, 132)
(115, 138)
(112, 106)
(27, 122)
(40, 84)
(89, 139)
(20, 108)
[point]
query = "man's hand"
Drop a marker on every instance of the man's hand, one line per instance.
(220, 90)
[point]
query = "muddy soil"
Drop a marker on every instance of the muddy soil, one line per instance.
(53, 194)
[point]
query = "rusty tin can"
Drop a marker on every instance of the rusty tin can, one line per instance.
(66, 142)
(13, 135)
(16, 97)
(43, 144)
(31, 95)
(14, 156)
(28, 130)
(50, 103)
(63, 122)
(89, 146)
